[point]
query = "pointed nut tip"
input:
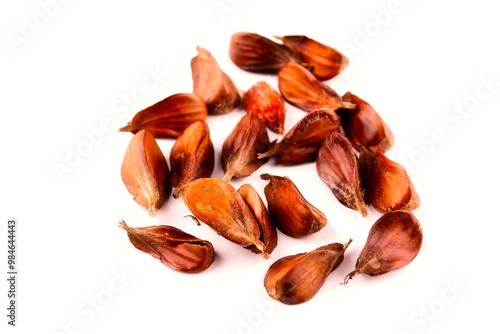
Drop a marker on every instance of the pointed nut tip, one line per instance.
(260, 246)
(178, 191)
(124, 226)
(228, 176)
(364, 212)
(347, 243)
(152, 210)
(343, 63)
(124, 129)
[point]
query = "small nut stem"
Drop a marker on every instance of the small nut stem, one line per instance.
(347, 244)
(349, 277)
(193, 218)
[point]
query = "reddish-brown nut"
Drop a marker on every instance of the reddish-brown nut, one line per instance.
(267, 104)
(364, 126)
(301, 88)
(387, 183)
(192, 156)
(213, 85)
(217, 203)
(337, 166)
(296, 279)
(169, 117)
(256, 53)
(145, 171)
(325, 61)
(393, 242)
(290, 212)
(175, 248)
(239, 151)
(268, 234)
(301, 144)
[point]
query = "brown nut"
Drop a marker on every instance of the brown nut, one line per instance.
(337, 166)
(145, 171)
(239, 151)
(302, 143)
(213, 85)
(268, 234)
(301, 88)
(393, 242)
(192, 156)
(216, 203)
(364, 126)
(297, 278)
(169, 117)
(387, 183)
(267, 104)
(176, 249)
(325, 61)
(256, 53)
(290, 212)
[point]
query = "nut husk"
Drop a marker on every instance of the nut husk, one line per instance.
(295, 279)
(169, 117)
(289, 210)
(387, 183)
(337, 166)
(213, 85)
(302, 89)
(239, 151)
(364, 127)
(175, 248)
(325, 61)
(256, 53)
(268, 234)
(393, 242)
(144, 172)
(192, 156)
(262, 100)
(302, 143)
(217, 203)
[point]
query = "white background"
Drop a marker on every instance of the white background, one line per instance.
(420, 65)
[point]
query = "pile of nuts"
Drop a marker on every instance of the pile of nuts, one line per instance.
(357, 179)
